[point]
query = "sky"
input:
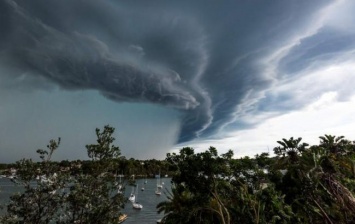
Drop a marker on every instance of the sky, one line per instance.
(167, 74)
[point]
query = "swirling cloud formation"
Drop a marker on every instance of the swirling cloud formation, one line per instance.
(218, 62)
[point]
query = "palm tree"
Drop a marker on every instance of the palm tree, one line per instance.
(317, 172)
(334, 164)
(290, 150)
(176, 209)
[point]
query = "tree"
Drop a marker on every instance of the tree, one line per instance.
(212, 188)
(312, 182)
(196, 196)
(290, 150)
(60, 197)
(93, 197)
(40, 201)
(104, 149)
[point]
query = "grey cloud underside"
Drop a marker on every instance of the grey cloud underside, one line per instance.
(78, 61)
(326, 45)
(199, 57)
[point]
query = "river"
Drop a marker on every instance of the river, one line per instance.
(147, 198)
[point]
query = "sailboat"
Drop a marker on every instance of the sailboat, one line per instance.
(132, 181)
(132, 197)
(119, 187)
(157, 191)
(135, 203)
(159, 185)
(142, 189)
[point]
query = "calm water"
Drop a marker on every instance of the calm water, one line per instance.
(147, 198)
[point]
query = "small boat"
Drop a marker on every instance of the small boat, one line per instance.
(119, 189)
(158, 191)
(137, 206)
(135, 203)
(12, 177)
(132, 197)
(122, 218)
(119, 185)
(159, 185)
(142, 189)
(132, 181)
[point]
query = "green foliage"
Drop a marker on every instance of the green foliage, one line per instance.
(104, 149)
(41, 198)
(301, 184)
(212, 188)
(92, 197)
(57, 194)
(314, 181)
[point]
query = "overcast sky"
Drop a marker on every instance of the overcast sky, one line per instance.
(232, 74)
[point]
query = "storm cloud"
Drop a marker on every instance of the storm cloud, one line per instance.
(210, 60)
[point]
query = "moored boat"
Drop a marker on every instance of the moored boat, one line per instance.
(122, 218)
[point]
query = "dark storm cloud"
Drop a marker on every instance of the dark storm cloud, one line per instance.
(196, 56)
(326, 45)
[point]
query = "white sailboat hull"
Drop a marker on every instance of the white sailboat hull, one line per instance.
(137, 206)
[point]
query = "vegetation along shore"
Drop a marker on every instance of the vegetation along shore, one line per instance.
(299, 183)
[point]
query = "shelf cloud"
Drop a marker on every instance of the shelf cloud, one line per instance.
(217, 63)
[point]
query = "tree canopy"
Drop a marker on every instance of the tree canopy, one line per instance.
(299, 184)
(56, 195)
